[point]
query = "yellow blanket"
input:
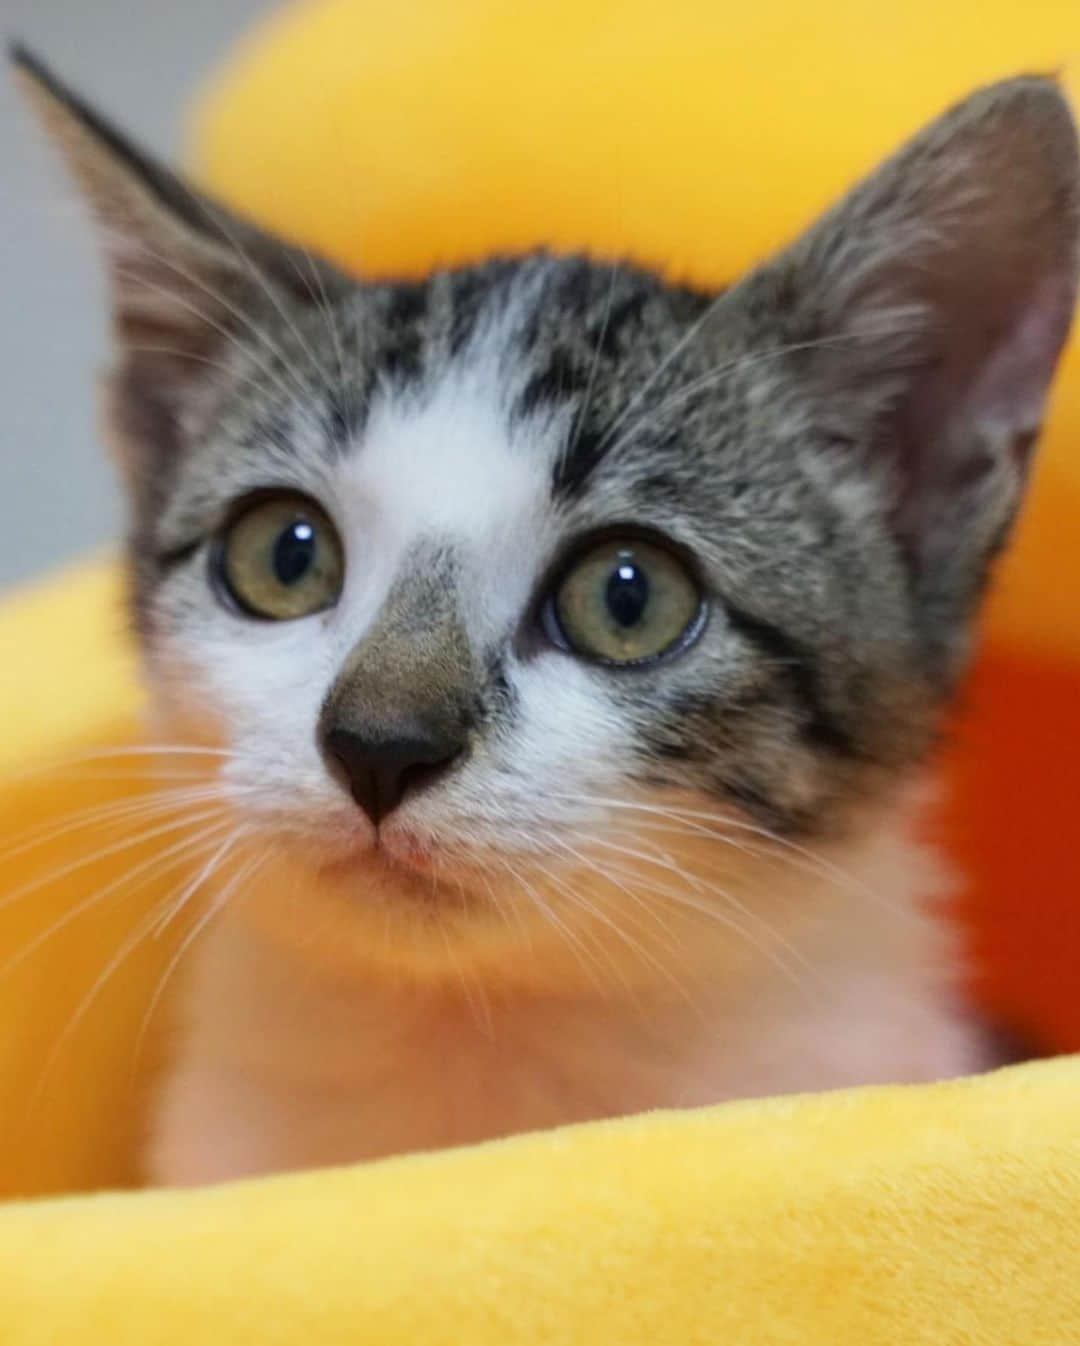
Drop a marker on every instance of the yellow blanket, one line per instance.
(396, 135)
(943, 1217)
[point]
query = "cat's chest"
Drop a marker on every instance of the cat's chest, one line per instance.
(280, 1065)
(375, 1071)
(281, 1073)
(370, 1076)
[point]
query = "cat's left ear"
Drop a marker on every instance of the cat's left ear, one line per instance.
(930, 307)
(186, 275)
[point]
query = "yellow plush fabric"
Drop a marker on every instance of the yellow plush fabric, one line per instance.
(68, 692)
(695, 136)
(942, 1216)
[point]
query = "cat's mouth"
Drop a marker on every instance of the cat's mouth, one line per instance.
(413, 867)
(403, 851)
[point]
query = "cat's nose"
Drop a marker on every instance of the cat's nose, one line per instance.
(382, 771)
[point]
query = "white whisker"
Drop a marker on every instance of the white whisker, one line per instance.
(301, 391)
(98, 815)
(127, 948)
(96, 898)
(586, 401)
(215, 906)
(583, 904)
(780, 952)
(681, 395)
(574, 942)
(140, 838)
(715, 825)
(124, 753)
(270, 290)
(479, 1007)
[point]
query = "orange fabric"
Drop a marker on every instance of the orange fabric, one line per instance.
(1014, 777)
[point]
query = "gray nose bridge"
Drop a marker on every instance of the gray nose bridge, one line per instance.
(414, 670)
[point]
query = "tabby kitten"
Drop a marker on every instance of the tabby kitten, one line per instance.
(569, 644)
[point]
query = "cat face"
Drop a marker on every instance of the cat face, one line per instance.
(468, 572)
(553, 620)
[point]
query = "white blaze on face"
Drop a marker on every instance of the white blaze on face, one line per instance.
(444, 465)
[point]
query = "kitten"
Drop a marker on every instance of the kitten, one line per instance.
(572, 642)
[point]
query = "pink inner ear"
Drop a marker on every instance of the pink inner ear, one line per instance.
(1010, 388)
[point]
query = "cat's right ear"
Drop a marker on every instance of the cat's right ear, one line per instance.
(926, 313)
(185, 274)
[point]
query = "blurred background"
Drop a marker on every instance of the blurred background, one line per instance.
(140, 63)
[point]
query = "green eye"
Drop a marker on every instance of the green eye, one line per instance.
(624, 602)
(282, 559)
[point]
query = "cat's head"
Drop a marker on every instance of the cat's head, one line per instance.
(476, 577)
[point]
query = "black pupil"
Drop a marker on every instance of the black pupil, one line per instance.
(627, 593)
(294, 552)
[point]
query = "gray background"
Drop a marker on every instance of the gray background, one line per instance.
(139, 61)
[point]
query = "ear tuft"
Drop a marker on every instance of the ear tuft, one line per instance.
(186, 276)
(941, 290)
(172, 277)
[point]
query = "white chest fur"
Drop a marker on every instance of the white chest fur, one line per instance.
(281, 1067)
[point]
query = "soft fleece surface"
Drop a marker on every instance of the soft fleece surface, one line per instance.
(394, 135)
(942, 1216)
